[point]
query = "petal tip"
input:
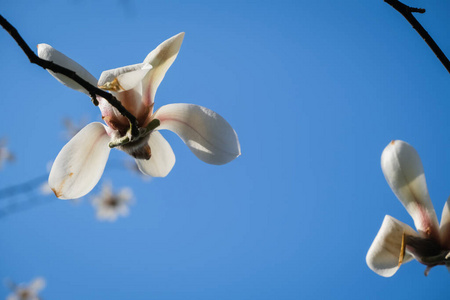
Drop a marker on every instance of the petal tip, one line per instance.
(384, 254)
(57, 193)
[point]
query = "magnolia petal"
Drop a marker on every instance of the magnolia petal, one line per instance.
(80, 164)
(384, 254)
(129, 80)
(403, 171)
(162, 159)
(444, 229)
(161, 59)
(205, 132)
(124, 78)
(47, 52)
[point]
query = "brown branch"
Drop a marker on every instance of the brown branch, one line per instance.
(407, 11)
(92, 90)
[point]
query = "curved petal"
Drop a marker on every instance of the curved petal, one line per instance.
(161, 59)
(124, 78)
(47, 52)
(162, 160)
(384, 255)
(403, 171)
(444, 229)
(205, 132)
(80, 164)
(126, 85)
(130, 80)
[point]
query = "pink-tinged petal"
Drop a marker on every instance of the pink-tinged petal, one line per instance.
(128, 77)
(47, 52)
(162, 159)
(126, 85)
(80, 164)
(444, 229)
(205, 132)
(385, 254)
(403, 171)
(161, 59)
(113, 118)
(130, 80)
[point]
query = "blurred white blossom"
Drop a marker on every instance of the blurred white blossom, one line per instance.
(111, 205)
(45, 189)
(27, 292)
(5, 153)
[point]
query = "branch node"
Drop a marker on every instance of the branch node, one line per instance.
(416, 10)
(93, 98)
(406, 12)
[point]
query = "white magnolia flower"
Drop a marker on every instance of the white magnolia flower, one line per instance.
(109, 205)
(397, 243)
(28, 292)
(81, 162)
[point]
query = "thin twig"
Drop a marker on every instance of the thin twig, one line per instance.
(92, 90)
(23, 187)
(31, 202)
(407, 11)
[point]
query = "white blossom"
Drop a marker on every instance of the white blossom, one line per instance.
(396, 242)
(111, 205)
(80, 164)
(5, 153)
(27, 292)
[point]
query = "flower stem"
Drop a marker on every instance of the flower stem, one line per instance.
(440, 259)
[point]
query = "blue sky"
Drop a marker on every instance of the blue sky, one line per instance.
(314, 89)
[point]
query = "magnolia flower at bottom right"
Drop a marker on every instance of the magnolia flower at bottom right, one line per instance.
(396, 242)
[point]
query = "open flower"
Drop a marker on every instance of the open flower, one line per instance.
(81, 162)
(27, 292)
(110, 205)
(397, 243)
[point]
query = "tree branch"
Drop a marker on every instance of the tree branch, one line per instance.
(23, 187)
(93, 90)
(407, 11)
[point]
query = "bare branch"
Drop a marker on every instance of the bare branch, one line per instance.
(29, 203)
(407, 11)
(93, 90)
(23, 187)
